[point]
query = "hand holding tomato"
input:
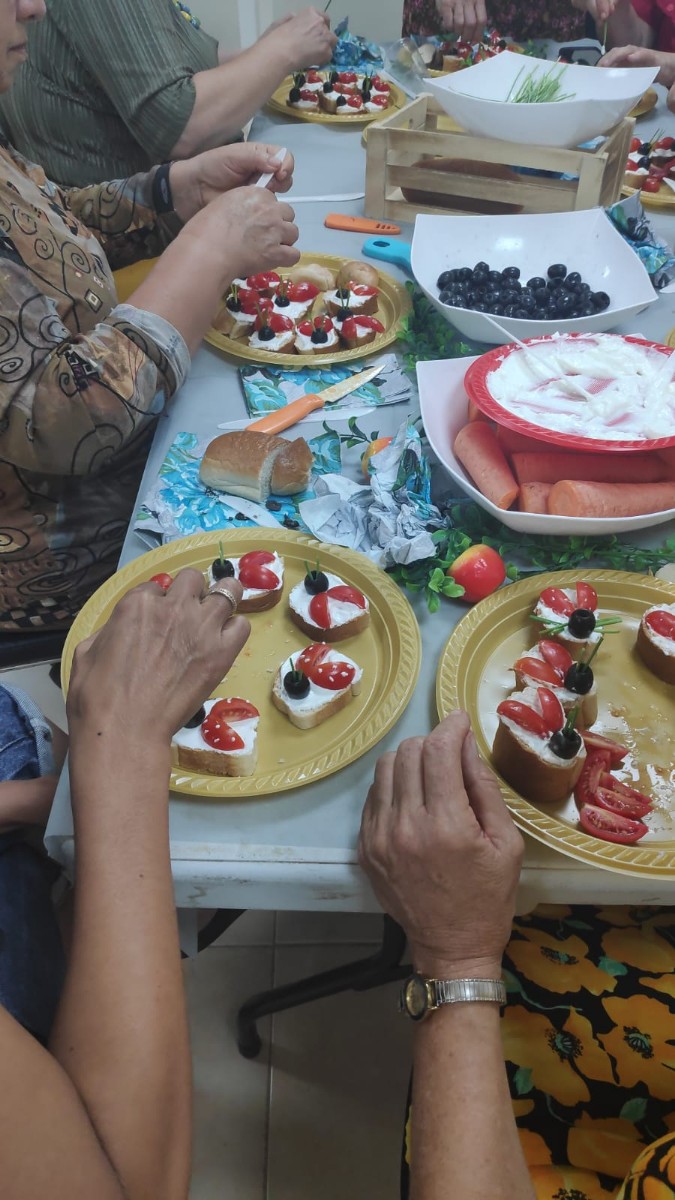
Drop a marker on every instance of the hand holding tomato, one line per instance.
(442, 853)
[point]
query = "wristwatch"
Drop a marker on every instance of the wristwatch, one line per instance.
(422, 996)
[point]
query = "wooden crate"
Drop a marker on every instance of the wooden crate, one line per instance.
(422, 130)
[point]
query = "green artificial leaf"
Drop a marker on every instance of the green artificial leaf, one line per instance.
(634, 1110)
(523, 1081)
(611, 966)
(433, 601)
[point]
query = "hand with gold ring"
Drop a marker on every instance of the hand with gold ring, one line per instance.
(157, 659)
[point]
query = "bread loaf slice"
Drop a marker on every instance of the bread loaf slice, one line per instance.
(243, 463)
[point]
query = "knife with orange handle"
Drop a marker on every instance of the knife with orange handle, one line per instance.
(359, 224)
(297, 410)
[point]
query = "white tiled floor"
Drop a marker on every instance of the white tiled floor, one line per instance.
(319, 1113)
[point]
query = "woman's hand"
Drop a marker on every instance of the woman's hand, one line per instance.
(160, 655)
(248, 229)
(599, 10)
(641, 56)
(303, 40)
(196, 182)
(467, 18)
(442, 853)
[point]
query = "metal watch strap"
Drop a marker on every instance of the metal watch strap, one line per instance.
(457, 991)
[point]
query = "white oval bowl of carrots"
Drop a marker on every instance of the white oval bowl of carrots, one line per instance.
(502, 470)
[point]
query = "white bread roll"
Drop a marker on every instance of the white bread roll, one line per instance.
(252, 464)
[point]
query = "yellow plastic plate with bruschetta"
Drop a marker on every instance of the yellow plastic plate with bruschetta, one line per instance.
(277, 103)
(388, 651)
(635, 708)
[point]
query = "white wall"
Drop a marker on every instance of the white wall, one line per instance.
(379, 20)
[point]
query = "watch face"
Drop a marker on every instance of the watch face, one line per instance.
(416, 998)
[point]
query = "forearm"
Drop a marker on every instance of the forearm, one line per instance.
(625, 27)
(26, 801)
(184, 287)
(227, 96)
(464, 1141)
(121, 1030)
(123, 215)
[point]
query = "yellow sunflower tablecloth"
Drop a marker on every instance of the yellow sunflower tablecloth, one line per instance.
(589, 1044)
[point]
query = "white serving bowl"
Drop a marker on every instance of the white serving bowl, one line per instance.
(443, 404)
(601, 97)
(586, 241)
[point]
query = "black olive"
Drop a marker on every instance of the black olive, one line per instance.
(511, 310)
(644, 163)
(587, 311)
(501, 44)
(527, 301)
(340, 101)
(444, 279)
(240, 516)
(316, 582)
(334, 77)
(327, 87)
(555, 284)
(565, 744)
(495, 278)
(464, 274)
(536, 282)
(579, 679)
(564, 301)
(447, 297)
(644, 148)
(294, 95)
(281, 301)
(222, 569)
(481, 268)
(233, 303)
(541, 295)
(557, 271)
(196, 719)
(342, 293)
(600, 301)
(300, 80)
(266, 334)
(296, 684)
(581, 623)
(319, 337)
(479, 307)
(343, 313)
(511, 273)
(572, 280)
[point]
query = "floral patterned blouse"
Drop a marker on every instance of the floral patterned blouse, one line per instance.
(81, 381)
(545, 19)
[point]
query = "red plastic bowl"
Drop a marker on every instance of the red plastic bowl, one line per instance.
(475, 384)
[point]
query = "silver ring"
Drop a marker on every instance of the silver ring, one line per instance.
(222, 589)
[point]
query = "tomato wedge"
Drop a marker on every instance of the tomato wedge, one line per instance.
(610, 826)
(534, 668)
(551, 710)
(259, 557)
(311, 657)
(265, 281)
(662, 623)
(587, 597)
(333, 675)
(524, 716)
(234, 709)
(253, 575)
(595, 741)
(163, 579)
(299, 292)
(217, 731)
(555, 599)
(347, 595)
(318, 610)
(556, 654)
(615, 785)
(625, 806)
(585, 792)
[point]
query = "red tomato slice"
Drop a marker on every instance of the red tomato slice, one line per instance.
(234, 709)
(343, 89)
(220, 735)
(253, 575)
(555, 599)
(380, 85)
(264, 281)
(362, 289)
(261, 304)
(314, 77)
(664, 143)
(555, 654)
(635, 144)
(257, 557)
(308, 94)
(347, 76)
(587, 597)
(367, 322)
(595, 741)
(333, 675)
(661, 622)
(524, 716)
(632, 166)
(347, 595)
(651, 183)
(306, 328)
(585, 792)
(299, 292)
(380, 101)
(615, 785)
(354, 102)
(163, 579)
(349, 328)
(541, 671)
(318, 610)
(311, 657)
(625, 806)
(610, 826)
(276, 322)
(552, 710)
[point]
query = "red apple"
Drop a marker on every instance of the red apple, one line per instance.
(479, 570)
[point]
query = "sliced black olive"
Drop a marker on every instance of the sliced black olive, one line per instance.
(196, 719)
(319, 337)
(581, 623)
(565, 743)
(296, 684)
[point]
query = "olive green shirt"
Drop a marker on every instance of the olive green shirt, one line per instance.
(107, 90)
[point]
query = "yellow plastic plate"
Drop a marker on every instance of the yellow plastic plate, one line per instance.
(277, 103)
(635, 708)
(394, 304)
(389, 651)
(645, 104)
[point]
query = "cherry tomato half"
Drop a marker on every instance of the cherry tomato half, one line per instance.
(555, 599)
(587, 597)
(534, 668)
(319, 611)
(610, 826)
(479, 570)
(662, 623)
(254, 575)
(234, 709)
(523, 715)
(551, 710)
(333, 675)
(347, 595)
(163, 579)
(555, 654)
(651, 184)
(311, 657)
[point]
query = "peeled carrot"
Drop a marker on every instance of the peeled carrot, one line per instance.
(579, 498)
(551, 466)
(474, 413)
(479, 453)
(510, 441)
(533, 497)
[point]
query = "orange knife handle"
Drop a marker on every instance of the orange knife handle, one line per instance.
(289, 415)
(359, 224)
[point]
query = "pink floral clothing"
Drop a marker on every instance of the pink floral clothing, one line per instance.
(546, 19)
(660, 16)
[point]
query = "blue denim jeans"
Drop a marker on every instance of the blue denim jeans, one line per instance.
(32, 962)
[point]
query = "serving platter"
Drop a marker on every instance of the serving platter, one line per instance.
(663, 200)
(277, 103)
(394, 305)
(635, 708)
(389, 651)
(477, 387)
(645, 105)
